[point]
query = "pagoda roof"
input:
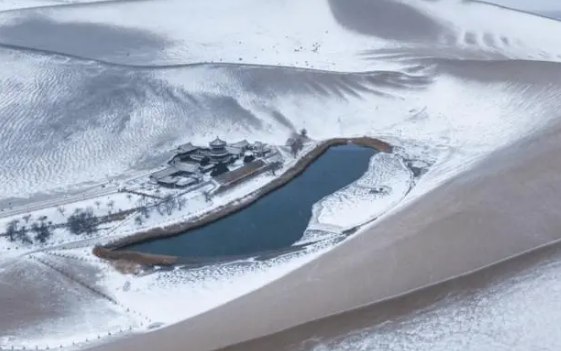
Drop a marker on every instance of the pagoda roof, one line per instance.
(217, 142)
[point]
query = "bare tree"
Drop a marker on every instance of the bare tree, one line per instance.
(82, 222)
(140, 202)
(304, 133)
(275, 166)
(129, 197)
(42, 230)
(26, 218)
(144, 211)
(22, 235)
(12, 229)
(61, 210)
(207, 196)
(97, 204)
(138, 220)
(296, 145)
(169, 204)
(181, 202)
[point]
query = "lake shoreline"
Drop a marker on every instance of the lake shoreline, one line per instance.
(111, 251)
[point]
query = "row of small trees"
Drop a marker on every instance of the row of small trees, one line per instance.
(80, 222)
(167, 206)
(110, 206)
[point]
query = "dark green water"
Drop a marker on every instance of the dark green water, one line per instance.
(275, 221)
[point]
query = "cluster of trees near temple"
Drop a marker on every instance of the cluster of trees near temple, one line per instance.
(296, 142)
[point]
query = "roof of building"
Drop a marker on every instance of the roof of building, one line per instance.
(234, 150)
(168, 180)
(275, 157)
(240, 173)
(221, 159)
(167, 172)
(217, 142)
(187, 147)
(188, 167)
(218, 152)
(241, 144)
(207, 167)
(187, 181)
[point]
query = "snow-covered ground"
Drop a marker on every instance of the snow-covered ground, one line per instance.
(101, 206)
(509, 312)
(163, 297)
(247, 31)
(42, 308)
(172, 296)
(69, 122)
(385, 183)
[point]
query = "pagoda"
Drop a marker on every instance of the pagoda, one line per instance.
(218, 152)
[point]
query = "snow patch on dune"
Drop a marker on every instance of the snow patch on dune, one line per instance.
(52, 310)
(385, 183)
(171, 296)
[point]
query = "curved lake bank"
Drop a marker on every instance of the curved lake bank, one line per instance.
(303, 164)
(276, 220)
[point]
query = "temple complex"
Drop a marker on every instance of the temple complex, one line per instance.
(191, 162)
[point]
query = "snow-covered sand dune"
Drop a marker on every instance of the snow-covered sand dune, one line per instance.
(386, 182)
(90, 117)
(52, 309)
(250, 31)
(109, 88)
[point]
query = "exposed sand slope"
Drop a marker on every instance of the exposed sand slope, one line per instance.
(510, 306)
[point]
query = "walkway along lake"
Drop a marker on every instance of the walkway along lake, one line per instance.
(275, 221)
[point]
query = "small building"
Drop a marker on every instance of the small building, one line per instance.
(187, 149)
(235, 151)
(185, 152)
(206, 168)
(219, 169)
(167, 172)
(243, 145)
(174, 177)
(275, 157)
(260, 149)
(187, 167)
(187, 181)
(200, 156)
(248, 157)
(243, 173)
